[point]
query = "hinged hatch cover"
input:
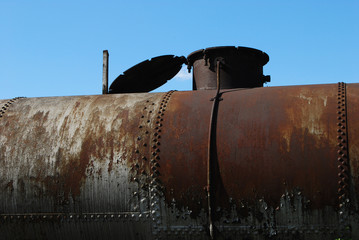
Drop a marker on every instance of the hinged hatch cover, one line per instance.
(148, 75)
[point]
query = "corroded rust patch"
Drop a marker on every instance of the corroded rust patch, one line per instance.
(66, 151)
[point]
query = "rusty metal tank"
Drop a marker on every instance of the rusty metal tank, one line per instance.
(242, 67)
(134, 166)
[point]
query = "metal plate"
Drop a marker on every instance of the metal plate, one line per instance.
(147, 75)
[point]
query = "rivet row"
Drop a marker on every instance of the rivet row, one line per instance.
(7, 105)
(342, 155)
(73, 216)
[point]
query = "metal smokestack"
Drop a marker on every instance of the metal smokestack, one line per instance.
(241, 67)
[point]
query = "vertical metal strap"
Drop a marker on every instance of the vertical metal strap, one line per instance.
(343, 158)
(212, 152)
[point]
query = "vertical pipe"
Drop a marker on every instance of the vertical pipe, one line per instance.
(212, 153)
(105, 73)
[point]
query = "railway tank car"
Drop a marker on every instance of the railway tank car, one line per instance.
(230, 160)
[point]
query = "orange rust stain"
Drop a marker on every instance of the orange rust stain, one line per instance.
(74, 172)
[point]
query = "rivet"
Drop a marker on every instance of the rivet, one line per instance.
(145, 144)
(140, 126)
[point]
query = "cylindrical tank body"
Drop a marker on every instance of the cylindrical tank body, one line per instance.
(134, 166)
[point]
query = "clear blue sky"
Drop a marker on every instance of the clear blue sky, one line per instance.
(54, 48)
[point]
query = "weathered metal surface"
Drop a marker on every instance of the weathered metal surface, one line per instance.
(76, 160)
(134, 166)
(242, 67)
(5, 105)
(352, 99)
(277, 160)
